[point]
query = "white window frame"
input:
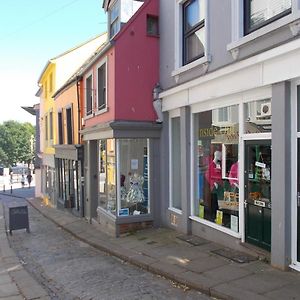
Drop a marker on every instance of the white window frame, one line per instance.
(237, 24)
(86, 116)
(179, 67)
(115, 20)
(118, 174)
(295, 135)
(173, 114)
(105, 108)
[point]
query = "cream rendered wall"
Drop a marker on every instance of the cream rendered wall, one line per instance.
(68, 62)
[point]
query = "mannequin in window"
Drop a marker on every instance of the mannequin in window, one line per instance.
(233, 175)
(214, 178)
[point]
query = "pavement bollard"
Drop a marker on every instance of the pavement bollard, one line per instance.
(11, 189)
(4, 188)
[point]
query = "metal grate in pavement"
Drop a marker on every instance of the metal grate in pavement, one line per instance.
(193, 240)
(234, 255)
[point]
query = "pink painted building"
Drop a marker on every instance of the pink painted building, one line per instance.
(120, 131)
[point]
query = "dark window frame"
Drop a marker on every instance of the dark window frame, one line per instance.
(69, 125)
(89, 95)
(155, 20)
(247, 18)
(187, 33)
(60, 128)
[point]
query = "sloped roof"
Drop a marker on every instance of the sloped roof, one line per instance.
(80, 71)
(52, 60)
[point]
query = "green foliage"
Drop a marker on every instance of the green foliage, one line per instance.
(16, 143)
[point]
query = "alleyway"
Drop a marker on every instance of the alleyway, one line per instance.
(70, 269)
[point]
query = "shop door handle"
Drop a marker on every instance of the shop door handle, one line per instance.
(298, 199)
(245, 204)
(260, 211)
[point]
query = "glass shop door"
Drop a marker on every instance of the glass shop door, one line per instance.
(258, 193)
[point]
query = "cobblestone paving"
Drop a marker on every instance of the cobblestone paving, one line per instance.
(71, 269)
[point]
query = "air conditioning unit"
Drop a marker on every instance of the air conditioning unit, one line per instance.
(265, 109)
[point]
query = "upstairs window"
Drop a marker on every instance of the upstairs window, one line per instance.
(193, 30)
(115, 19)
(152, 25)
(60, 128)
(89, 95)
(51, 125)
(69, 126)
(46, 128)
(258, 13)
(102, 87)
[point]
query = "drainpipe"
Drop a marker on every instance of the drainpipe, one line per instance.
(78, 78)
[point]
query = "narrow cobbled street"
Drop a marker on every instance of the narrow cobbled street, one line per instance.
(71, 269)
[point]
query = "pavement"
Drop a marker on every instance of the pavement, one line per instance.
(200, 264)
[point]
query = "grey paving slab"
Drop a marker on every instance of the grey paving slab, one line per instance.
(288, 292)
(227, 273)
(4, 278)
(8, 290)
(261, 282)
(198, 281)
(228, 291)
(13, 298)
(206, 264)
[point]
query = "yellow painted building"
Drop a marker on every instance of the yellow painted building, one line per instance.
(55, 74)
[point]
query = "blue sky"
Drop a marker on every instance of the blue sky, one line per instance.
(32, 32)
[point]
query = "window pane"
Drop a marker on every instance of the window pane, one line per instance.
(195, 45)
(176, 164)
(89, 95)
(194, 12)
(216, 165)
(102, 87)
(134, 175)
(191, 14)
(258, 116)
(261, 11)
(107, 175)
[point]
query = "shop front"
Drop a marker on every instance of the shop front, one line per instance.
(127, 181)
(48, 179)
(232, 170)
(69, 170)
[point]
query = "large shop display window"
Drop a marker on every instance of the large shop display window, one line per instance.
(175, 164)
(107, 175)
(216, 160)
(129, 195)
(134, 177)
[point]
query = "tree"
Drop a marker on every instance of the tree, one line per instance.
(16, 142)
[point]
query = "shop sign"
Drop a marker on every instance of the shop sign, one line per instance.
(124, 212)
(259, 203)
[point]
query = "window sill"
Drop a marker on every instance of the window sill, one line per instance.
(263, 31)
(175, 210)
(87, 117)
(102, 111)
(199, 62)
